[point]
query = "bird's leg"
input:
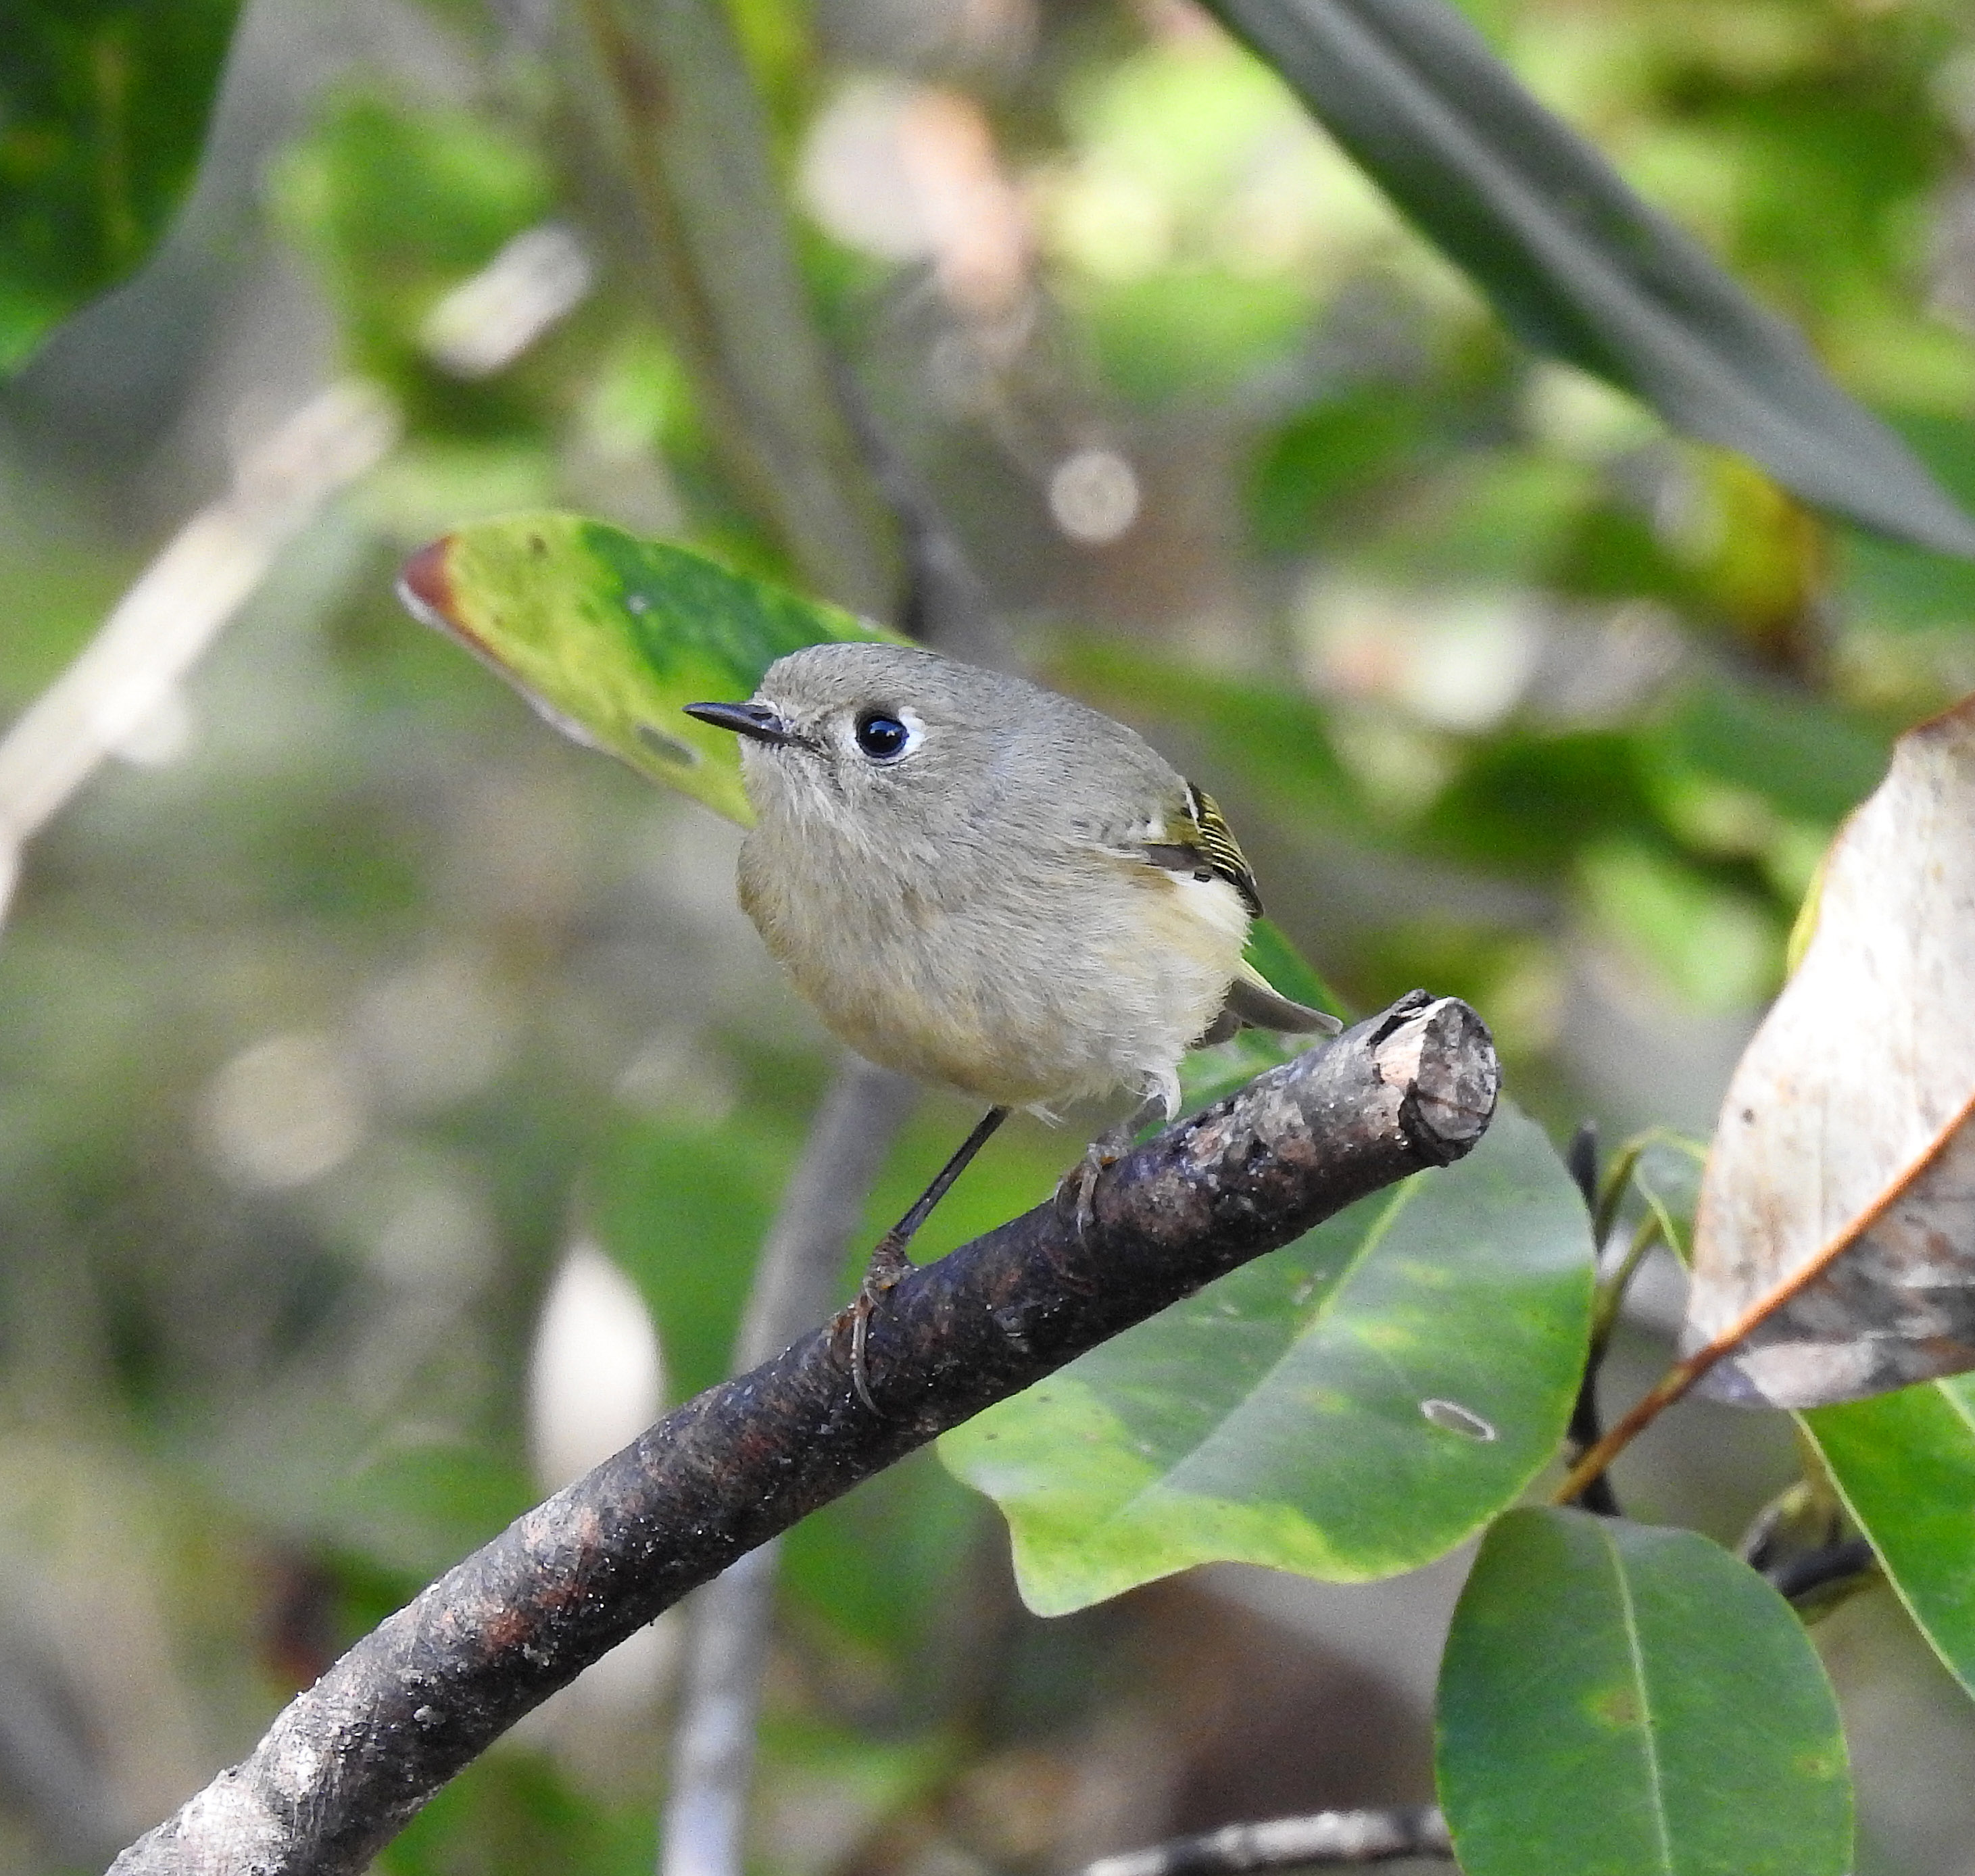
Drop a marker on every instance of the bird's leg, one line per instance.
(889, 1262)
(1079, 1183)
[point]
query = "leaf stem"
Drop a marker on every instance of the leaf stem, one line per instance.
(1668, 1388)
(1585, 1432)
(1651, 1230)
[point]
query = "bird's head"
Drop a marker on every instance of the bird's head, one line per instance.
(881, 744)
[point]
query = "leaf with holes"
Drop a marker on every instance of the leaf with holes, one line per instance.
(1835, 1243)
(1349, 1407)
(1617, 1701)
(1575, 263)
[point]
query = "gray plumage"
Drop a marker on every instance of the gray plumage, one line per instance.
(1022, 899)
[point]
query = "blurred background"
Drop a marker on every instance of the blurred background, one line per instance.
(392, 1095)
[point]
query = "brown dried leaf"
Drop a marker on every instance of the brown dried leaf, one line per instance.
(1835, 1244)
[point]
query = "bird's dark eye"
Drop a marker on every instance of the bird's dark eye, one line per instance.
(882, 739)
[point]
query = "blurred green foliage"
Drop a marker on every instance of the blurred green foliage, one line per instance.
(395, 207)
(1508, 691)
(103, 107)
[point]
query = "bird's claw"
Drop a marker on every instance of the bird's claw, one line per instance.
(889, 1263)
(1078, 1192)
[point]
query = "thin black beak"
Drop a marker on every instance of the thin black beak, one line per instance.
(757, 721)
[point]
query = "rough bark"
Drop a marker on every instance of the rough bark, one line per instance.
(348, 1763)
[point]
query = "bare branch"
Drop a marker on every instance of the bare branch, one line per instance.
(350, 1761)
(1327, 1840)
(209, 569)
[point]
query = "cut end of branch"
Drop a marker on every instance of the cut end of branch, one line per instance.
(1444, 1059)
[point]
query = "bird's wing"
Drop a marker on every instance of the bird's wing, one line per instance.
(1197, 838)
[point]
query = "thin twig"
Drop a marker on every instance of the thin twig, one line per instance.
(1327, 1840)
(1580, 1159)
(1586, 1482)
(176, 608)
(1690, 1370)
(947, 603)
(1668, 1388)
(1625, 1165)
(350, 1761)
(1652, 1229)
(212, 567)
(686, 172)
(51, 1769)
(713, 1744)
(1584, 1433)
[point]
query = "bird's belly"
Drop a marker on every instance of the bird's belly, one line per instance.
(1001, 1001)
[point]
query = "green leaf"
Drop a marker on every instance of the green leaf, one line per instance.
(517, 1810)
(1575, 263)
(1716, 947)
(1195, 332)
(1348, 1407)
(1617, 1701)
(1891, 584)
(879, 1567)
(1325, 457)
(608, 635)
(103, 106)
(417, 1508)
(1905, 1463)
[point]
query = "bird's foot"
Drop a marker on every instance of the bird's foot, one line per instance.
(1077, 1192)
(888, 1265)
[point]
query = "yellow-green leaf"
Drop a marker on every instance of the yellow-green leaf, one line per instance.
(608, 637)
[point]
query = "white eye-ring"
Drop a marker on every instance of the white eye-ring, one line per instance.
(887, 736)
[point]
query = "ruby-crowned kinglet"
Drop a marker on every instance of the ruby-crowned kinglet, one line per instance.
(986, 884)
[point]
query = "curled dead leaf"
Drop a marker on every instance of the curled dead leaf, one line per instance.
(1835, 1243)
